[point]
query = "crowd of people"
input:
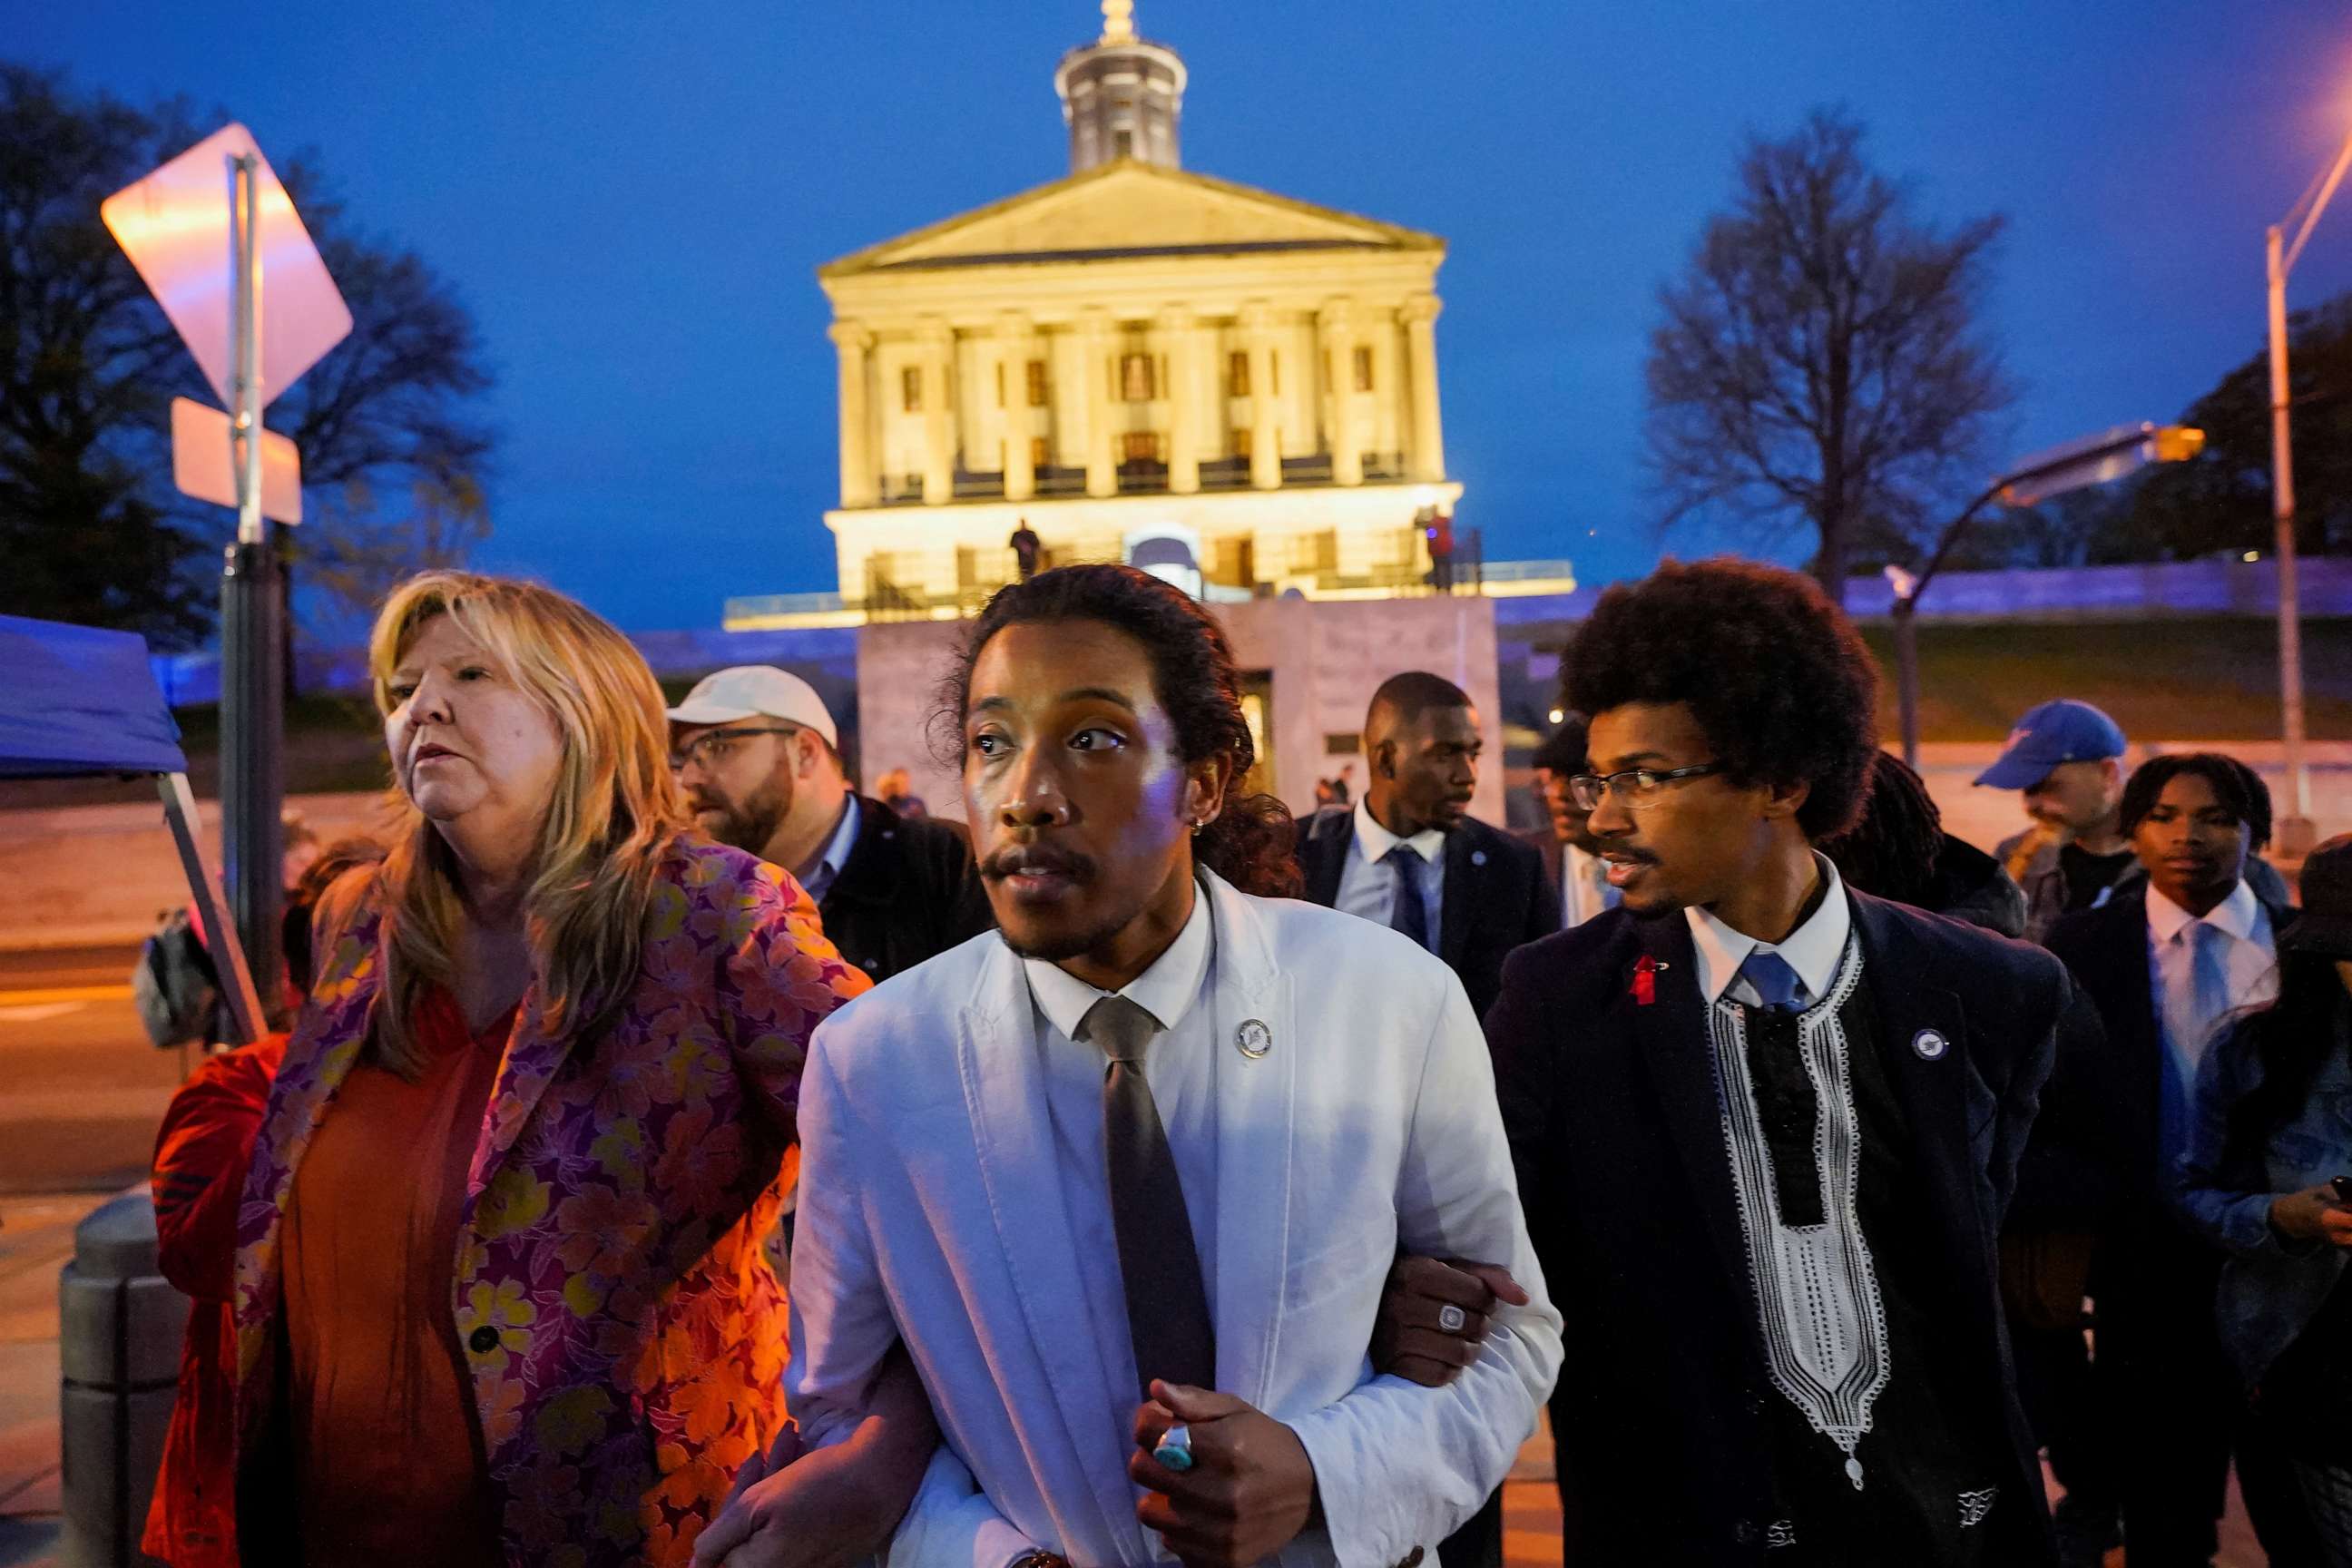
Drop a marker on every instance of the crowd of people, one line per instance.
(680, 1157)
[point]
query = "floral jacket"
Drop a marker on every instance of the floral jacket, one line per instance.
(616, 1306)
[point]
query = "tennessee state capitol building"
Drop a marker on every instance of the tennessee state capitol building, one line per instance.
(1234, 389)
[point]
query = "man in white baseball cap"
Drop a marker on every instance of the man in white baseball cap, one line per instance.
(759, 757)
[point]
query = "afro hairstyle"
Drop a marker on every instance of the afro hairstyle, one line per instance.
(1775, 674)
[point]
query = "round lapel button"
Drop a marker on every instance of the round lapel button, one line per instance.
(1930, 1045)
(1253, 1039)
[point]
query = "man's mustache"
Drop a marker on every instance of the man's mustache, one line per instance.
(1038, 859)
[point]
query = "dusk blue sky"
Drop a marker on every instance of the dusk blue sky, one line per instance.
(634, 198)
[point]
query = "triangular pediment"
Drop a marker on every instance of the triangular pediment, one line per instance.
(1129, 209)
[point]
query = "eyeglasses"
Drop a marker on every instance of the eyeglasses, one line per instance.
(1634, 787)
(710, 749)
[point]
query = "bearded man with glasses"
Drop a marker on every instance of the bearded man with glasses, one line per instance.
(756, 752)
(1766, 1125)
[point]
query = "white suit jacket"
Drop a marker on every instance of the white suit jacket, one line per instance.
(932, 1210)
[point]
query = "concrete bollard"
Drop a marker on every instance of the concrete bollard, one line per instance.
(120, 1328)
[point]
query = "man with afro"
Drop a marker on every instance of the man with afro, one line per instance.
(1766, 1125)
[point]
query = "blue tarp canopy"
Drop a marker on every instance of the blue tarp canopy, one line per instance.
(74, 699)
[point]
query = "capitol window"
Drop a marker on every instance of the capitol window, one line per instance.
(910, 389)
(1137, 379)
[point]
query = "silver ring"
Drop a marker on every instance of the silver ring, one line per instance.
(1451, 1317)
(1175, 1448)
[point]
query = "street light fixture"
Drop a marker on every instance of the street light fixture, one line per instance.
(2295, 835)
(2094, 460)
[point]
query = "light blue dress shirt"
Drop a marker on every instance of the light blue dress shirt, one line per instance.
(818, 879)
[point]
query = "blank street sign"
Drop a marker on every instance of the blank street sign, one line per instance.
(201, 467)
(175, 225)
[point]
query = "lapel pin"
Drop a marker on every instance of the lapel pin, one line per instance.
(1645, 989)
(1930, 1045)
(1477, 856)
(1253, 1039)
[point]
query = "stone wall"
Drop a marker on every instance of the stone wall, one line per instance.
(1325, 658)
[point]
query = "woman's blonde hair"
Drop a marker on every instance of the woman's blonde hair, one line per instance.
(614, 811)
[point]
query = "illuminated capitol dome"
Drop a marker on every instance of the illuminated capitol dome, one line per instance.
(1135, 353)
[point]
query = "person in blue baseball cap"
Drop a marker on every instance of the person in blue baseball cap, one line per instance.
(2066, 757)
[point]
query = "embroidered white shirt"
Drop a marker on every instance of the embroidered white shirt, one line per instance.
(1816, 1289)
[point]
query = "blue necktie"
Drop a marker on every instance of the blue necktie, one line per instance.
(2209, 968)
(2209, 1002)
(1774, 981)
(1408, 913)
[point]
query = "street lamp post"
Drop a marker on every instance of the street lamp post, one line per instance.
(2095, 460)
(2295, 834)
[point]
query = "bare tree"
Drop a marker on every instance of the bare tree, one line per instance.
(363, 551)
(1818, 362)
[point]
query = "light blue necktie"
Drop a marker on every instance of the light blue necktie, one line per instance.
(2209, 1003)
(1774, 981)
(2209, 967)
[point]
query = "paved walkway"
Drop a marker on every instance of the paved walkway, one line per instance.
(36, 1240)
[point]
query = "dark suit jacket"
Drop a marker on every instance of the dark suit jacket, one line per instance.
(2107, 1102)
(1665, 1446)
(1495, 896)
(908, 892)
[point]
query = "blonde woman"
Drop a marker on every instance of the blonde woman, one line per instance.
(500, 1296)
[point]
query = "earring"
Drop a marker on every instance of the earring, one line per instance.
(1196, 828)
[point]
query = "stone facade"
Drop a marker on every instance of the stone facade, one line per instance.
(1311, 669)
(1130, 347)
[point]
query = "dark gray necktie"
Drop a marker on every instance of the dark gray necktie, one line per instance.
(1167, 1305)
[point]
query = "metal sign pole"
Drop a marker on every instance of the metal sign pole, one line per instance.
(252, 636)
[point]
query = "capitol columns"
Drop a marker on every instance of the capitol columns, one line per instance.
(1335, 335)
(858, 473)
(1018, 336)
(1420, 316)
(1182, 334)
(937, 341)
(1266, 436)
(1093, 354)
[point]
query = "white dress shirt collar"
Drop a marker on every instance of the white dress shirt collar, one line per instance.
(2240, 914)
(1376, 841)
(1814, 950)
(1167, 989)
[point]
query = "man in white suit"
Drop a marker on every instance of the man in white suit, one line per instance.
(1126, 1180)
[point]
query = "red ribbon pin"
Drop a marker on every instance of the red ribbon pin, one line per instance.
(1645, 989)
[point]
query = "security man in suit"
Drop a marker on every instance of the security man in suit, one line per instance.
(1409, 856)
